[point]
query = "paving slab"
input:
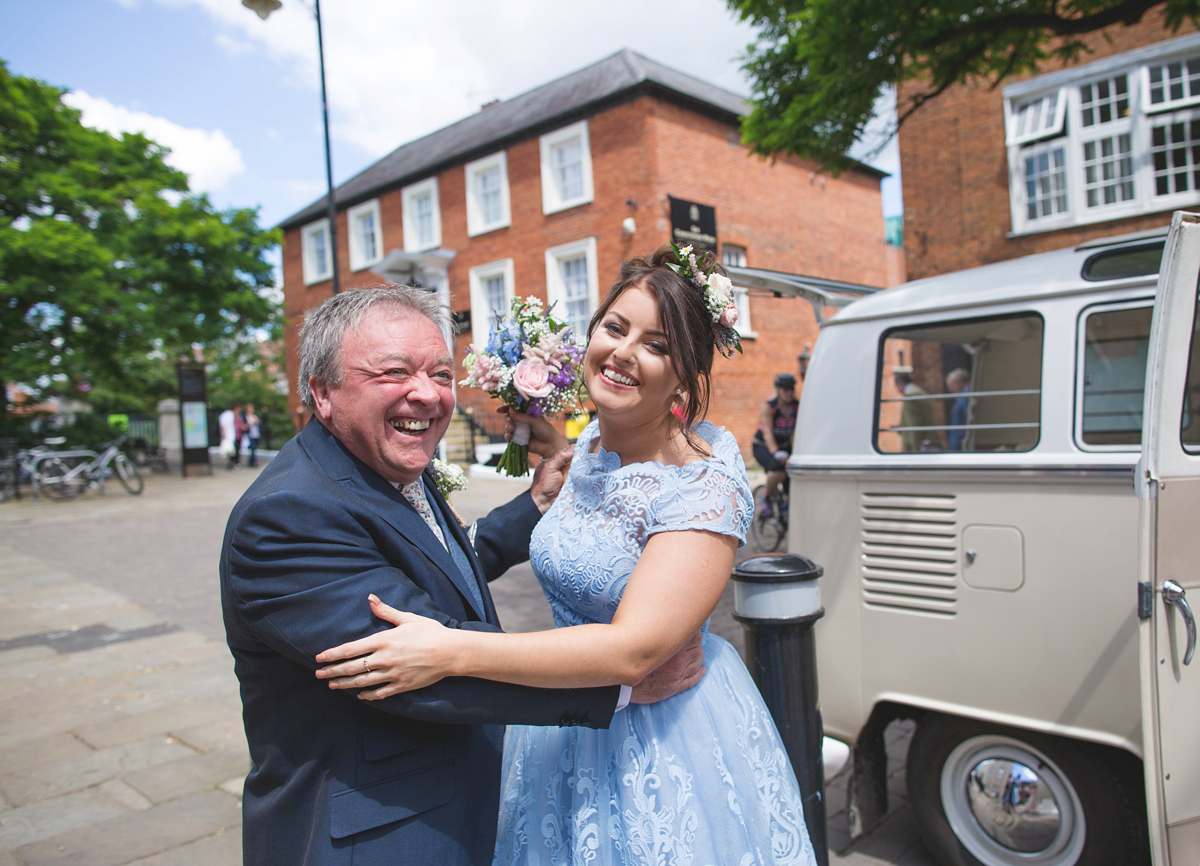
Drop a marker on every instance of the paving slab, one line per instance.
(220, 849)
(137, 835)
(166, 782)
(52, 817)
(73, 774)
(130, 727)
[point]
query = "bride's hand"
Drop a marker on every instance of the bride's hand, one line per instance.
(397, 660)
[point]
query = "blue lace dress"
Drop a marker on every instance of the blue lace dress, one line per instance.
(701, 778)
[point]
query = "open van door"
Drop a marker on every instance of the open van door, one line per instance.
(1168, 483)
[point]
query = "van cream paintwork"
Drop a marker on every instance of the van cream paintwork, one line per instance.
(1168, 483)
(1057, 653)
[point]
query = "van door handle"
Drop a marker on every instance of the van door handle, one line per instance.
(1175, 594)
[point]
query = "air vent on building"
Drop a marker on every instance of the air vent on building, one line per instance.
(910, 553)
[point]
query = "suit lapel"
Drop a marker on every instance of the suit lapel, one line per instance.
(450, 521)
(324, 449)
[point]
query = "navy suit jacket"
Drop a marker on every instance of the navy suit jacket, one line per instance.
(413, 778)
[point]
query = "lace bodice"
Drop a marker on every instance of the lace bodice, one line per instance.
(584, 549)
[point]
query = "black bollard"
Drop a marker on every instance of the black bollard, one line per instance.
(777, 600)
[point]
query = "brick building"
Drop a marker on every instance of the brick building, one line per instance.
(1106, 146)
(547, 193)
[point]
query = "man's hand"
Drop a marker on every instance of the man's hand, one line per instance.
(677, 674)
(548, 478)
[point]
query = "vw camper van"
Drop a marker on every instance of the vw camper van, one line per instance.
(1007, 557)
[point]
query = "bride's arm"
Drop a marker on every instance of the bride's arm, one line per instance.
(674, 588)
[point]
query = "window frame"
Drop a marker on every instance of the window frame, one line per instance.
(480, 316)
(472, 171)
(741, 295)
(555, 288)
(358, 258)
(1080, 367)
(1168, 104)
(1072, 136)
(1012, 117)
(553, 200)
(884, 363)
(308, 252)
(408, 211)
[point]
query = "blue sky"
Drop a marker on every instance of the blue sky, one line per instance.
(237, 98)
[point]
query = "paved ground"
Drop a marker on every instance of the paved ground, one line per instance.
(120, 730)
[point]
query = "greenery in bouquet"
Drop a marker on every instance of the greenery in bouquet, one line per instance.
(532, 364)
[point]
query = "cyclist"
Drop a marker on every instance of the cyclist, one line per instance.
(773, 440)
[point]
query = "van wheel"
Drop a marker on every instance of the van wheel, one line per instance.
(986, 795)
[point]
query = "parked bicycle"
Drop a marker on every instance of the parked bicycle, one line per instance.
(21, 466)
(66, 474)
(145, 455)
(769, 527)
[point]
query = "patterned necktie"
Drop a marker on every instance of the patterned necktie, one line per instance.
(415, 494)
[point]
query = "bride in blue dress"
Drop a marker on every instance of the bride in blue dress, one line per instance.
(633, 557)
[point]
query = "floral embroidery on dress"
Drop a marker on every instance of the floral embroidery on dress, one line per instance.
(701, 778)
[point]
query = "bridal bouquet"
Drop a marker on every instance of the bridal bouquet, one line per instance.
(531, 363)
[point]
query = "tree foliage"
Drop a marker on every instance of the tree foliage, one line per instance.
(109, 269)
(818, 65)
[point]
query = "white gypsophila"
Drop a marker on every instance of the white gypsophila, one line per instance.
(448, 477)
(536, 331)
(718, 293)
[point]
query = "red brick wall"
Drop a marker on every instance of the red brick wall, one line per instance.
(955, 172)
(787, 216)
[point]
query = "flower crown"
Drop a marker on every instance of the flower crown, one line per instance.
(718, 298)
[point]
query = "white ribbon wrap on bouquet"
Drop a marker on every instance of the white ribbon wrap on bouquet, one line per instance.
(521, 433)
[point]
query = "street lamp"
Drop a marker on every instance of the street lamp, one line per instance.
(803, 359)
(263, 8)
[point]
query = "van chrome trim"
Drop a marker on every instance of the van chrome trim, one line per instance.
(1011, 471)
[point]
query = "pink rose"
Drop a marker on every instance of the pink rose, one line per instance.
(729, 316)
(531, 378)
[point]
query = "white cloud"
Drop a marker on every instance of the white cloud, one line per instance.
(397, 71)
(208, 157)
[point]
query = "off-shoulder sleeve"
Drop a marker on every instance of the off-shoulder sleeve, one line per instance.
(712, 495)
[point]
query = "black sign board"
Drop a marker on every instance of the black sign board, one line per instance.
(193, 418)
(693, 223)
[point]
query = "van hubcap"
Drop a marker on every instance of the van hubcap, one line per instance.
(1010, 804)
(1013, 805)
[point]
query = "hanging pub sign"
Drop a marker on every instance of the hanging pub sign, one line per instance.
(693, 223)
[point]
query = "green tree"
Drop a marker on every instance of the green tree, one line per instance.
(818, 65)
(109, 269)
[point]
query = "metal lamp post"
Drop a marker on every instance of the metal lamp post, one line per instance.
(263, 8)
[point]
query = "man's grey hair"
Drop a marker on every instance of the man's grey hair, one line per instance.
(325, 327)
(958, 374)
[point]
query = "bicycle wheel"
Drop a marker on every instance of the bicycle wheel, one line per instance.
(57, 480)
(8, 479)
(766, 530)
(128, 473)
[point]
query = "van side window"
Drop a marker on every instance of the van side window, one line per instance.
(1112, 376)
(1189, 433)
(967, 385)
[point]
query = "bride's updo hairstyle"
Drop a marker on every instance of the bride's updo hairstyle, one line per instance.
(685, 319)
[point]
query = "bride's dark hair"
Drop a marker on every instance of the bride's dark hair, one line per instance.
(685, 318)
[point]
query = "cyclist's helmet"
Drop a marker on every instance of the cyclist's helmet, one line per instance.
(785, 380)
